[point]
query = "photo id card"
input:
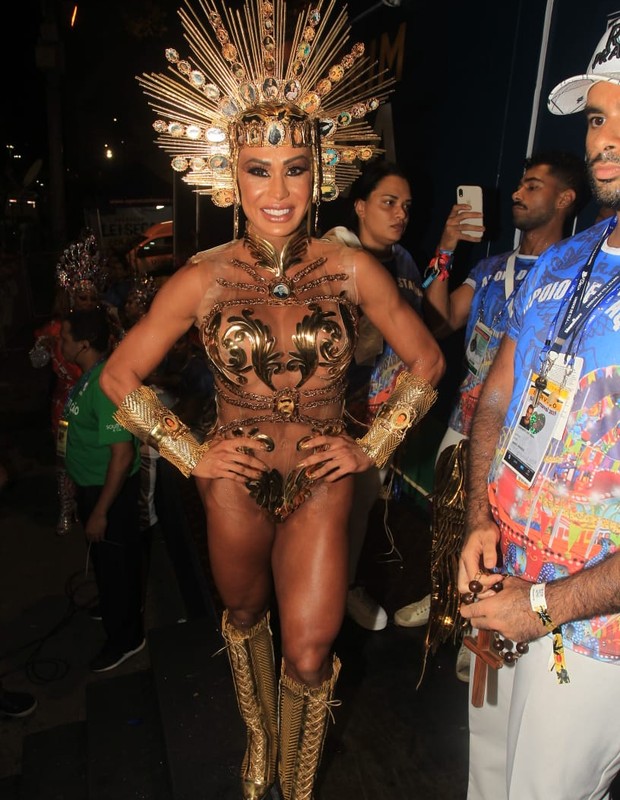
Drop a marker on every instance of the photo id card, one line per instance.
(477, 347)
(542, 417)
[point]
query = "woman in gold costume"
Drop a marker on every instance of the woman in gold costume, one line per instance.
(277, 312)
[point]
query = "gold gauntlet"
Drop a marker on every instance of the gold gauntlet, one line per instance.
(143, 414)
(411, 399)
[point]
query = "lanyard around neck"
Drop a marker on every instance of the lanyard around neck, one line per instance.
(579, 307)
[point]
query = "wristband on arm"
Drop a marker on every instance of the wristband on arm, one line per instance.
(538, 603)
(438, 267)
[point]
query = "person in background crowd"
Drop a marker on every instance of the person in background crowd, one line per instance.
(552, 189)
(277, 312)
(541, 518)
(80, 278)
(103, 460)
(381, 199)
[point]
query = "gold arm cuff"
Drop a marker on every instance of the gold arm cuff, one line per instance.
(143, 414)
(411, 399)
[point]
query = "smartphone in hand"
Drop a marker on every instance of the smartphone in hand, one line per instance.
(472, 195)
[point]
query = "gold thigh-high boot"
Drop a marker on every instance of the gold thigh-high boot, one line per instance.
(252, 663)
(303, 723)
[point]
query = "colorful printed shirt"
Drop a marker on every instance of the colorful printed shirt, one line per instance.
(488, 280)
(569, 518)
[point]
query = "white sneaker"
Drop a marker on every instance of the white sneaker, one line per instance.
(463, 661)
(364, 610)
(415, 614)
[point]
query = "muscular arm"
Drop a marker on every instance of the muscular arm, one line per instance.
(482, 533)
(399, 324)
(403, 329)
(121, 459)
(172, 312)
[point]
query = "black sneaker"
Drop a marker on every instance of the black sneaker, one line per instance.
(94, 612)
(16, 704)
(111, 657)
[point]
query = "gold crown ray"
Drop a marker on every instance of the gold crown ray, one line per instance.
(244, 84)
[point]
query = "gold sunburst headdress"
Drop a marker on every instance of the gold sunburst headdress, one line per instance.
(240, 88)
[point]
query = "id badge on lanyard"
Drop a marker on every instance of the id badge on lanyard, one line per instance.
(542, 416)
(477, 347)
(482, 333)
(61, 438)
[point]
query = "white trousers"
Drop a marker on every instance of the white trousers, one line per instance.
(534, 739)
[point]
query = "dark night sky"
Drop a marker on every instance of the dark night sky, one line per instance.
(101, 103)
(456, 89)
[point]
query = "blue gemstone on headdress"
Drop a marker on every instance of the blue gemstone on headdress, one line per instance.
(344, 118)
(197, 78)
(330, 156)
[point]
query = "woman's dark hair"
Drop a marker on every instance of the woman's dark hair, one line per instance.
(91, 325)
(367, 182)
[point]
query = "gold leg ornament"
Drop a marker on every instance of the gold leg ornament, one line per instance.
(411, 398)
(253, 668)
(303, 725)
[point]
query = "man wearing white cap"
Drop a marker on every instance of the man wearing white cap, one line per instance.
(540, 568)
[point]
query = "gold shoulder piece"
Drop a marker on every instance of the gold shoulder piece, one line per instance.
(411, 399)
(144, 415)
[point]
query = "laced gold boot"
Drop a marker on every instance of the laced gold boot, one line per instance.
(252, 663)
(303, 724)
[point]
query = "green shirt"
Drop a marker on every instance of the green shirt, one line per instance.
(92, 429)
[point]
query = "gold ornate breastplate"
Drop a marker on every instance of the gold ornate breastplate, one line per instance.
(279, 343)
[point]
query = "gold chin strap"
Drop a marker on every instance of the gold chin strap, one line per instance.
(144, 415)
(411, 399)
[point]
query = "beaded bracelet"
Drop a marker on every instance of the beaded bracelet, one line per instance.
(507, 650)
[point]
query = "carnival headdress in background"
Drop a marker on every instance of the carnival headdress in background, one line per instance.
(143, 290)
(239, 88)
(81, 267)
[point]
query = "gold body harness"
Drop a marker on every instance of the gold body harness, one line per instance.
(279, 334)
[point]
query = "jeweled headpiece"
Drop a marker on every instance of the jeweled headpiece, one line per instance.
(81, 267)
(143, 290)
(240, 88)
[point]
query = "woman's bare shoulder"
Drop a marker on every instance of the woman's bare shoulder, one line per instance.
(222, 252)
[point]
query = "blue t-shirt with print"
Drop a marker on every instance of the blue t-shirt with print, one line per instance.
(569, 518)
(491, 294)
